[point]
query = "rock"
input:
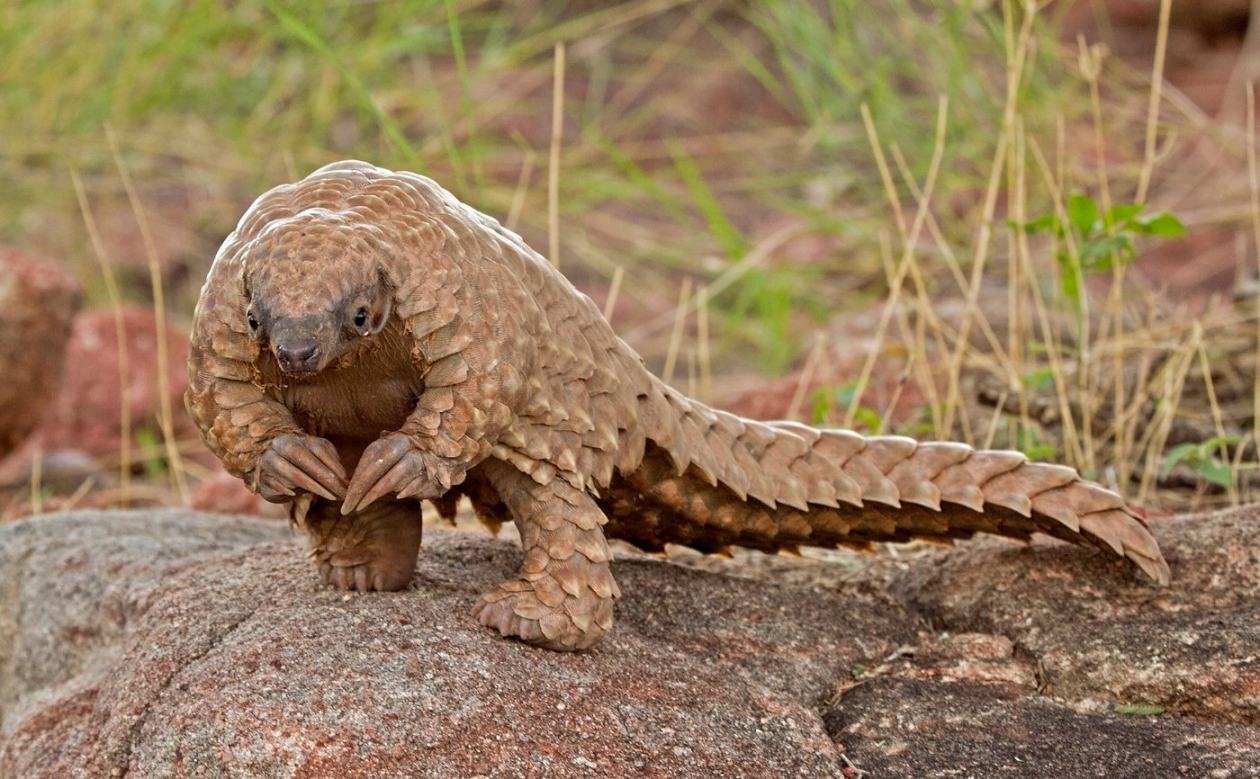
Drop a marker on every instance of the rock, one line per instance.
(980, 701)
(1099, 636)
(86, 415)
(83, 426)
(37, 302)
(223, 493)
(242, 664)
(99, 569)
(918, 727)
(177, 644)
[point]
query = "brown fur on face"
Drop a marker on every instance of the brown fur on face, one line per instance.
(307, 316)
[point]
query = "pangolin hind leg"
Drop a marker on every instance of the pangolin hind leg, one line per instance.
(372, 549)
(563, 598)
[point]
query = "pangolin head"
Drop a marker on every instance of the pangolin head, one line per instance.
(316, 287)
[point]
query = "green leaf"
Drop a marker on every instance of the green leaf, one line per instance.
(1162, 225)
(1082, 213)
(1042, 224)
(1122, 214)
(1105, 253)
(1200, 459)
(1071, 278)
(1039, 379)
(1221, 440)
(1028, 442)
(845, 393)
(1143, 709)
(151, 441)
(1216, 472)
(1042, 452)
(1178, 454)
(868, 417)
(821, 405)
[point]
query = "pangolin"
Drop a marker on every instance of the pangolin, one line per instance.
(362, 333)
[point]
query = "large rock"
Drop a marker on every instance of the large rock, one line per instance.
(80, 436)
(1101, 638)
(241, 664)
(1081, 669)
(71, 587)
(176, 644)
(896, 727)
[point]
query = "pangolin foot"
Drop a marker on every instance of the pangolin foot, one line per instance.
(545, 616)
(380, 575)
(372, 550)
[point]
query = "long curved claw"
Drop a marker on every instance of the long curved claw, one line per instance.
(415, 487)
(315, 458)
(286, 473)
(300, 463)
(273, 489)
(387, 465)
(400, 475)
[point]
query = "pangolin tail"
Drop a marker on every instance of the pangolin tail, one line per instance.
(782, 485)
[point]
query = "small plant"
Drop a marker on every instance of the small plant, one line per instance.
(150, 444)
(1028, 441)
(826, 399)
(1040, 379)
(1090, 239)
(760, 306)
(1202, 459)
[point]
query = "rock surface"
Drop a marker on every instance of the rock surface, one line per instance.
(178, 644)
(1102, 640)
(241, 664)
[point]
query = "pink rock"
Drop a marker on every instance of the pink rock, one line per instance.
(223, 493)
(86, 415)
(37, 302)
(167, 643)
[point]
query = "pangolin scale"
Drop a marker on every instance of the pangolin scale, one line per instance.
(362, 334)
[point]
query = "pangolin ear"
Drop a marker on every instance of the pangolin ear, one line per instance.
(243, 279)
(383, 306)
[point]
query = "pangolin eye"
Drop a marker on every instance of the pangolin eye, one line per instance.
(253, 321)
(361, 317)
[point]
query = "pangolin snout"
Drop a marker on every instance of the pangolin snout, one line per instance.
(298, 355)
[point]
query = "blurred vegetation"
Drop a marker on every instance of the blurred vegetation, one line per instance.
(224, 100)
(773, 154)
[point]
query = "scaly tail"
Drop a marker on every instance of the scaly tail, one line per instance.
(715, 479)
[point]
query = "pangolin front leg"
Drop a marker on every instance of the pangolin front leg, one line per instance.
(563, 598)
(373, 549)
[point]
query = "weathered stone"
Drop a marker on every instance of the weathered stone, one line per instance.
(242, 664)
(85, 414)
(1103, 638)
(70, 586)
(177, 644)
(895, 726)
